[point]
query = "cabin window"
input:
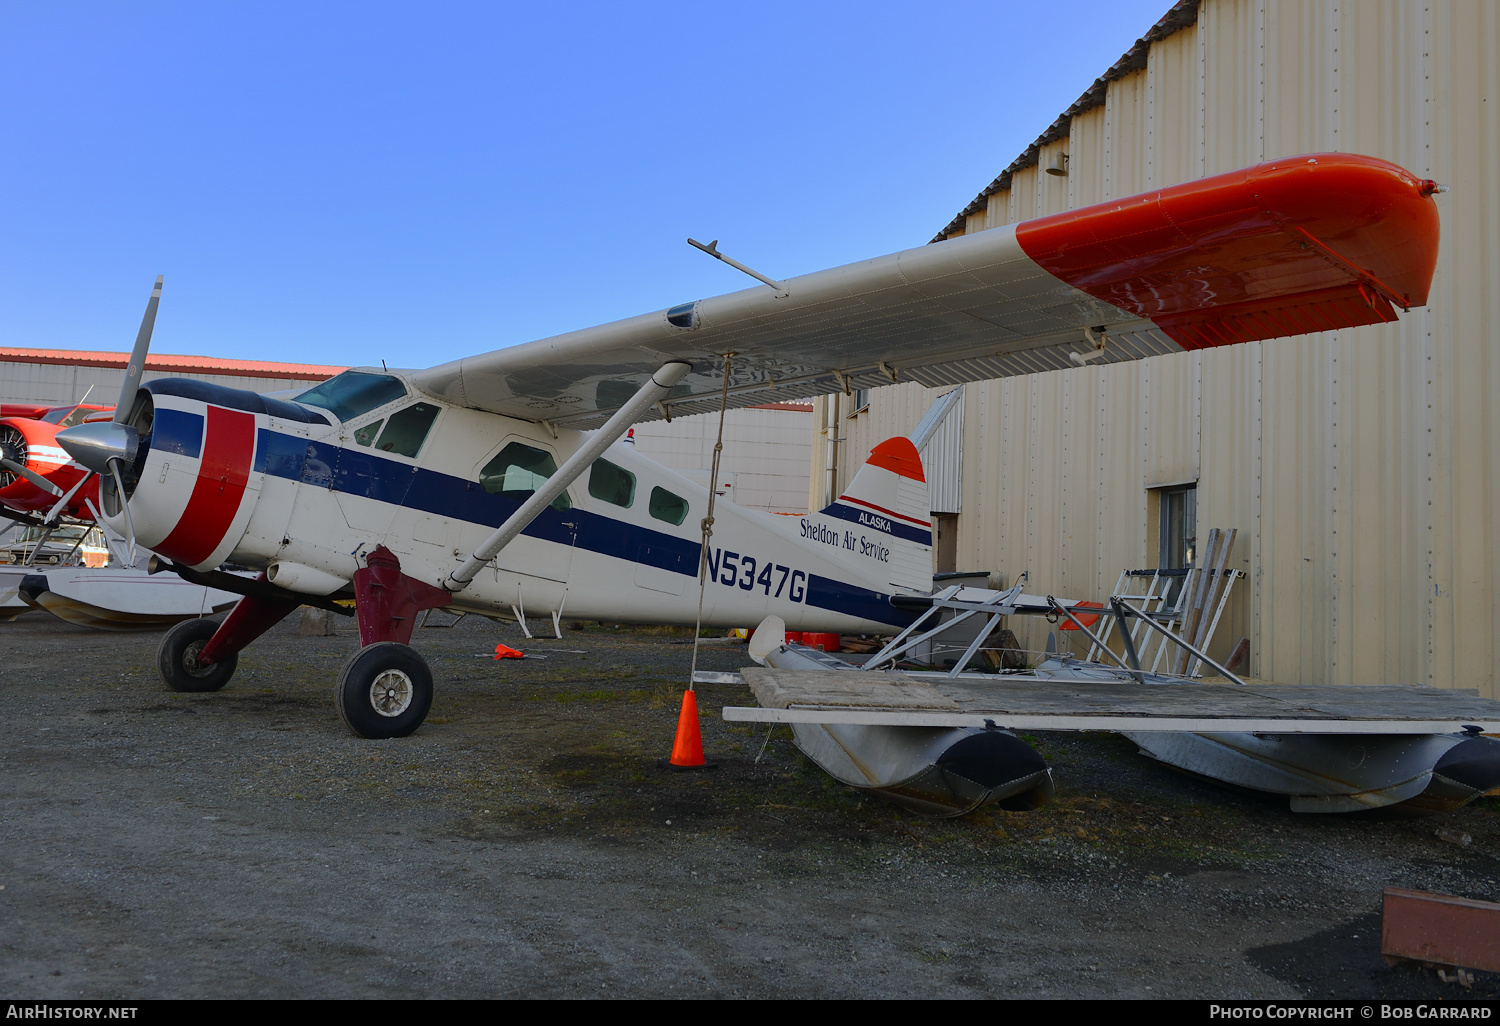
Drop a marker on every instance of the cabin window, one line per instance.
(351, 393)
(366, 434)
(667, 506)
(407, 429)
(519, 471)
(611, 483)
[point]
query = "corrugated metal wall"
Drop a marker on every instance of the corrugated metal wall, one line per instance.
(1358, 465)
(942, 458)
(766, 449)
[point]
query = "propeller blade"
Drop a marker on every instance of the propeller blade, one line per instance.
(137, 365)
(114, 467)
(30, 475)
(63, 502)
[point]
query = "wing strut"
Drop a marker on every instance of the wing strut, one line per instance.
(656, 386)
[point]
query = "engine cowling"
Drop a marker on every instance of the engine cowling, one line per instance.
(194, 473)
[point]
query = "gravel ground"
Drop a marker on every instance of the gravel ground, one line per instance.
(525, 843)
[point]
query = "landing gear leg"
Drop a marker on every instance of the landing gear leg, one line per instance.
(385, 689)
(200, 655)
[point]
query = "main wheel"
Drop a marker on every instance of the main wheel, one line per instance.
(384, 690)
(177, 658)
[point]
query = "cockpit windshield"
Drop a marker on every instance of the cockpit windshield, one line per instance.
(351, 393)
(67, 416)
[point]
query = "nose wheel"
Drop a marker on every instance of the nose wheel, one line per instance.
(177, 658)
(384, 690)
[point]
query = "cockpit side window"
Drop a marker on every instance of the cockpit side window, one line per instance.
(520, 470)
(351, 393)
(407, 429)
(366, 434)
(611, 483)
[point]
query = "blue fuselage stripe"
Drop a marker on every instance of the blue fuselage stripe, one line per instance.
(355, 471)
(876, 522)
(177, 431)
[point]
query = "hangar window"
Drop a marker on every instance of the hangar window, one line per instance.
(407, 429)
(667, 506)
(519, 471)
(351, 393)
(1174, 510)
(611, 483)
(1178, 534)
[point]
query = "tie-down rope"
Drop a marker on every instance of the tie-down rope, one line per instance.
(708, 521)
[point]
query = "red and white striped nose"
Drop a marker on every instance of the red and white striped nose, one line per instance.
(193, 494)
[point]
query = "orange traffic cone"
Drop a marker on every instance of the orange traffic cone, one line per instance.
(687, 749)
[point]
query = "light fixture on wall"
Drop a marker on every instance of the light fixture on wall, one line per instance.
(1059, 166)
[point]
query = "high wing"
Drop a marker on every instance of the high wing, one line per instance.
(1303, 244)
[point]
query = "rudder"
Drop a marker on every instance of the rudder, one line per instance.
(884, 518)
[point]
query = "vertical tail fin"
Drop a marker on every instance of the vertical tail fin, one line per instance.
(883, 519)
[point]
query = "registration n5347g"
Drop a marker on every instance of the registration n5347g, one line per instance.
(733, 569)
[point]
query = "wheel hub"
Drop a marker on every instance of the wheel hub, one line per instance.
(190, 661)
(391, 693)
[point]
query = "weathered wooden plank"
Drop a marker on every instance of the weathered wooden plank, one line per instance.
(1011, 696)
(778, 689)
(1060, 721)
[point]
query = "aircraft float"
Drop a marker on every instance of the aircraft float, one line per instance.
(494, 484)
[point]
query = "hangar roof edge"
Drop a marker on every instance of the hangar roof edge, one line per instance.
(1183, 14)
(160, 362)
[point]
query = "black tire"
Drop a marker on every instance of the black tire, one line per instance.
(384, 690)
(176, 658)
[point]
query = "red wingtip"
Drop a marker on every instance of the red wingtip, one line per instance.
(1308, 243)
(899, 456)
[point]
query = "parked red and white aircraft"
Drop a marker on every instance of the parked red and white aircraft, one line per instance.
(37, 476)
(475, 485)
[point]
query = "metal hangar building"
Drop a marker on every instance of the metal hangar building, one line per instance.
(1358, 466)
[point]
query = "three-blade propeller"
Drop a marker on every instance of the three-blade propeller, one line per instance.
(102, 448)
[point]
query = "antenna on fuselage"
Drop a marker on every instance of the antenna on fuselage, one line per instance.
(712, 249)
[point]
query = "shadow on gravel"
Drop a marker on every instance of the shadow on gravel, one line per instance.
(1344, 961)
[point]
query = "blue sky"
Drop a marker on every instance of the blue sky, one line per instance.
(345, 183)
